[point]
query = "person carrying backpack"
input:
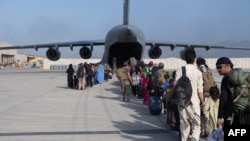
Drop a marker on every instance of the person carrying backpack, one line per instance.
(123, 75)
(89, 74)
(163, 92)
(188, 95)
(208, 82)
(234, 98)
(226, 105)
(208, 79)
(159, 79)
(80, 74)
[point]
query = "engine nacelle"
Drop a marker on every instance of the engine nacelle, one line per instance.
(53, 54)
(85, 52)
(155, 52)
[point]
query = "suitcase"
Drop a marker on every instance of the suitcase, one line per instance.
(155, 105)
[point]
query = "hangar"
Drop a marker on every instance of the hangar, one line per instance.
(12, 58)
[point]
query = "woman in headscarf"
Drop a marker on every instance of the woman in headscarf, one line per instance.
(70, 71)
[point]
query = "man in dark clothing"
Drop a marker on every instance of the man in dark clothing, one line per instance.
(89, 74)
(224, 66)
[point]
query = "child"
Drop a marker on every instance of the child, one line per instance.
(75, 82)
(211, 108)
(173, 120)
(136, 79)
(163, 92)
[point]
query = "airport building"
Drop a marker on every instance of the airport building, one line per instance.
(169, 63)
(14, 59)
(7, 56)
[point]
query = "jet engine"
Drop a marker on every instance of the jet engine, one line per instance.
(53, 54)
(85, 52)
(155, 52)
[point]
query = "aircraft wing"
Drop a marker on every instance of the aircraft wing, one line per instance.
(185, 45)
(57, 45)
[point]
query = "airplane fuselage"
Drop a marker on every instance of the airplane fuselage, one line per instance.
(123, 42)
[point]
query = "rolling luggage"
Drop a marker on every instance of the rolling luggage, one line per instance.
(155, 105)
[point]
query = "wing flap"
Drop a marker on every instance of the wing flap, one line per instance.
(185, 45)
(63, 44)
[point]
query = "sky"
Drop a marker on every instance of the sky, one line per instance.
(224, 22)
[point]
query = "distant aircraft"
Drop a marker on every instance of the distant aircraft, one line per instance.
(122, 42)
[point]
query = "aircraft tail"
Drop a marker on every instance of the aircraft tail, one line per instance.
(125, 12)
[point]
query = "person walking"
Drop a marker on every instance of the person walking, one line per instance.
(136, 80)
(147, 86)
(100, 73)
(70, 71)
(80, 74)
(226, 105)
(211, 109)
(127, 81)
(208, 82)
(88, 74)
(163, 91)
(190, 115)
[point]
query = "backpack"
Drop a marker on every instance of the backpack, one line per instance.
(208, 82)
(160, 79)
(121, 73)
(153, 72)
(147, 69)
(88, 69)
(182, 90)
(241, 82)
(80, 72)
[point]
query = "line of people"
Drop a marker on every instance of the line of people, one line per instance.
(150, 82)
(210, 107)
(87, 75)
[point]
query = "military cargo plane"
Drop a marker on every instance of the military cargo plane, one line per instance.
(122, 42)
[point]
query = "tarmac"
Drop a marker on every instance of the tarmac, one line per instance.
(36, 105)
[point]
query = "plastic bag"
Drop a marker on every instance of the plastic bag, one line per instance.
(216, 135)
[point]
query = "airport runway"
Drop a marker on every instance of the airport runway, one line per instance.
(36, 105)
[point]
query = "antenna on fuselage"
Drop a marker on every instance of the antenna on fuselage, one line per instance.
(125, 12)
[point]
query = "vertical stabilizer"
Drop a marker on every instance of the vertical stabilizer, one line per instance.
(125, 12)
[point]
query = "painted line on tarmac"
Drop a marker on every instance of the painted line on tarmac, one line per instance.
(123, 132)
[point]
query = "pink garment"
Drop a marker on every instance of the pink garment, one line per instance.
(145, 93)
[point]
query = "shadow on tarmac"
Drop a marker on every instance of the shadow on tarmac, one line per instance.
(146, 128)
